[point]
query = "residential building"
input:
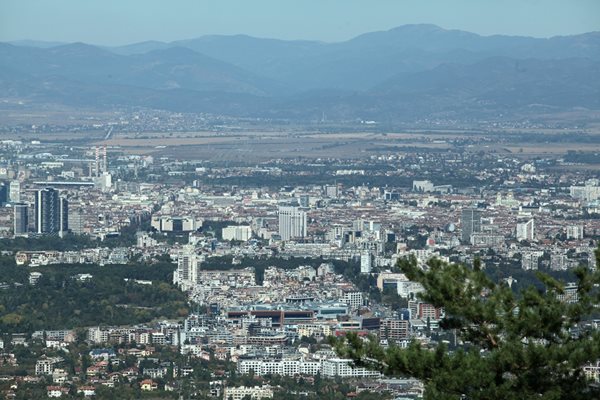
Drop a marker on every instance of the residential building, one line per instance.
(394, 329)
(353, 299)
(365, 262)
(526, 230)
(240, 233)
(254, 393)
(575, 232)
(292, 222)
(337, 367)
(187, 274)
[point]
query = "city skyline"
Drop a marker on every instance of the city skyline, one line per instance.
(404, 204)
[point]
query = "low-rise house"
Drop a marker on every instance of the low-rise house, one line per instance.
(59, 375)
(148, 385)
(56, 391)
(87, 390)
(93, 370)
(155, 373)
(102, 354)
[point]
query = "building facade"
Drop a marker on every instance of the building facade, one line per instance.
(292, 222)
(21, 219)
(526, 230)
(51, 212)
(470, 221)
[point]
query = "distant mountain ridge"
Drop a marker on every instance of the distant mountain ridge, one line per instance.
(404, 72)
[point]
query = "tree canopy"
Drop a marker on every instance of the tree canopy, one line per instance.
(59, 300)
(512, 345)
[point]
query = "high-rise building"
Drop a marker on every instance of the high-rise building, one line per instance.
(14, 192)
(365, 262)
(51, 212)
(76, 220)
(187, 274)
(292, 222)
(21, 219)
(526, 230)
(575, 232)
(470, 221)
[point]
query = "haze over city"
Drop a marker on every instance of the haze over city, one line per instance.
(333, 199)
(116, 22)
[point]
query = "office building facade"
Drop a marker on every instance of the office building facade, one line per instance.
(292, 222)
(21, 219)
(51, 212)
(470, 221)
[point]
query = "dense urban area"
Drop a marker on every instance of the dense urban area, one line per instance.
(128, 271)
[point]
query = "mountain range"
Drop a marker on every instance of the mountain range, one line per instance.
(413, 71)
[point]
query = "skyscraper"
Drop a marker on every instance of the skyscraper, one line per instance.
(470, 221)
(51, 212)
(526, 230)
(21, 219)
(292, 222)
(187, 274)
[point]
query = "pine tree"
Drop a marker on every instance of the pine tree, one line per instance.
(526, 345)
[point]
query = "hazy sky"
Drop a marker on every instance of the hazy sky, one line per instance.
(125, 21)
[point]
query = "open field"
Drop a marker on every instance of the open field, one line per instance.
(257, 146)
(249, 144)
(262, 145)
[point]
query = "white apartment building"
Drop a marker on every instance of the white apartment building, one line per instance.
(255, 392)
(589, 192)
(354, 300)
(240, 233)
(530, 259)
(575, 232)
(366, 263)
(343, 368)
(187, 274)
(526, 230)
(292, 222)
(44, 366)
(98, 335)
(279, 367)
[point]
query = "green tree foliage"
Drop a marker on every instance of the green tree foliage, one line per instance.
(59, 300)
(529, 344)
(68, 243)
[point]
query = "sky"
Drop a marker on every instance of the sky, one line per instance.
(118, 22)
